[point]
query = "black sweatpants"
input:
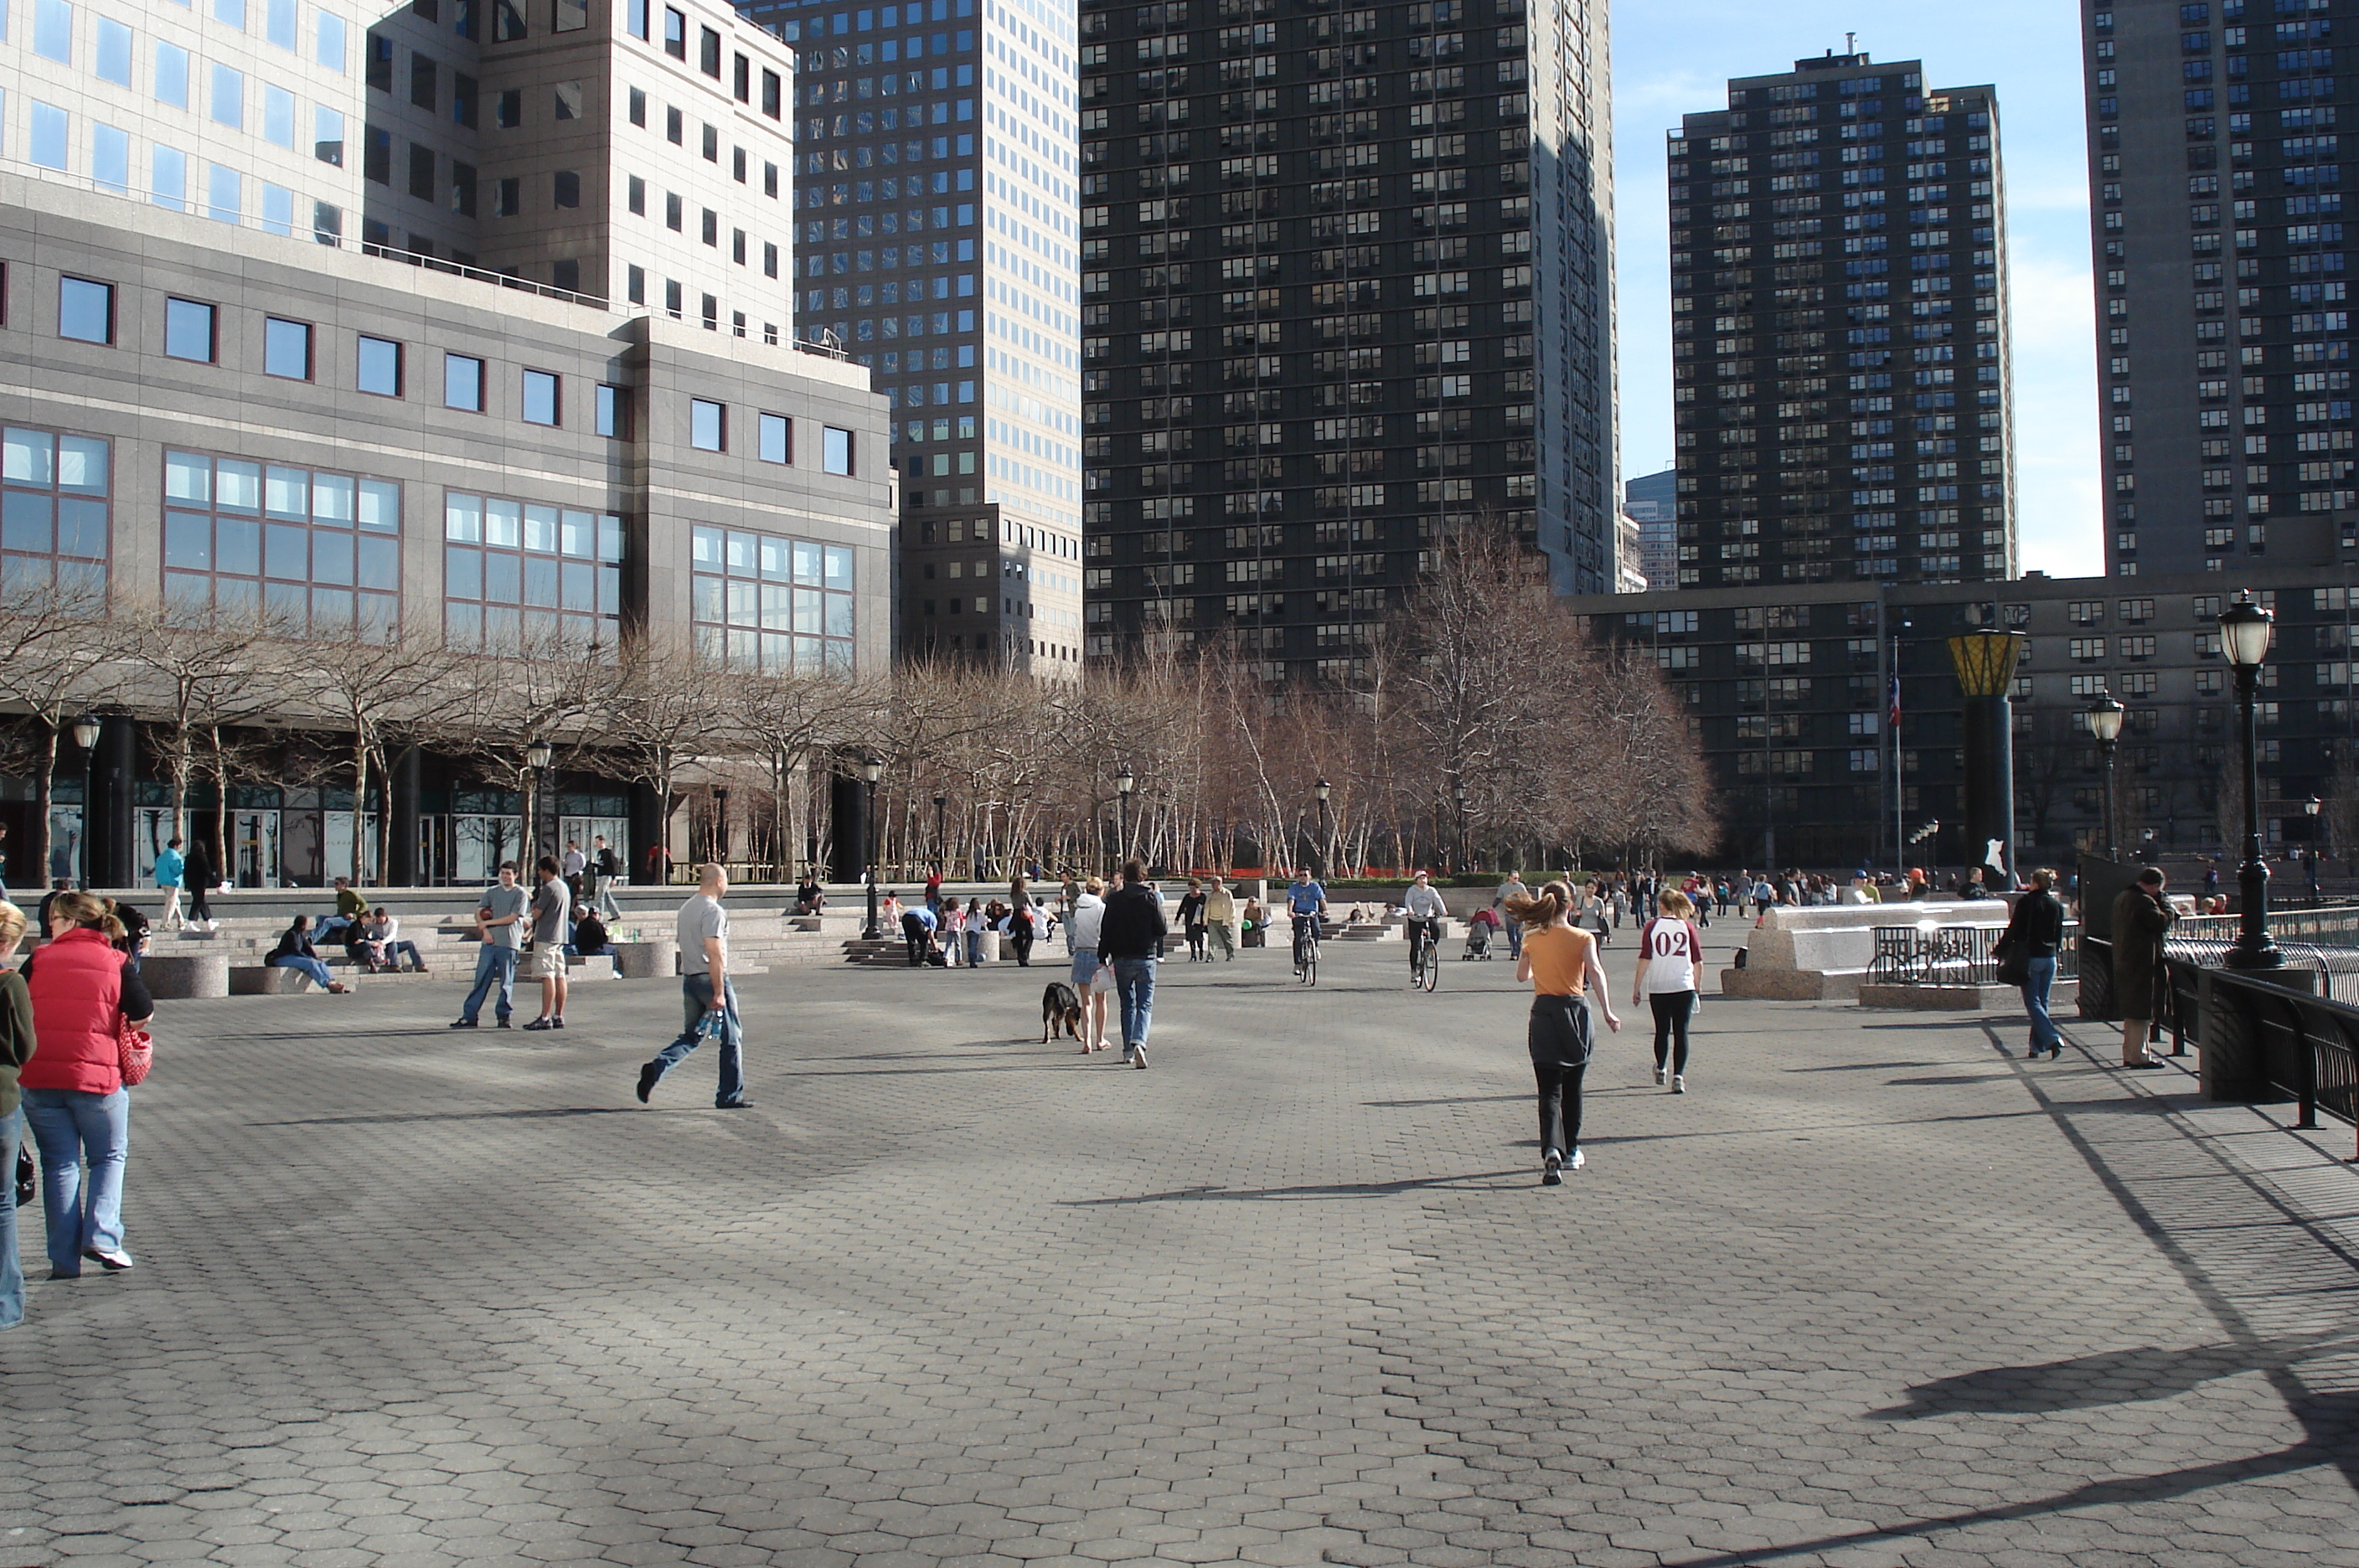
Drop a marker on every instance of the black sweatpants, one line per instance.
(1560, 1041)
(1672, 1011)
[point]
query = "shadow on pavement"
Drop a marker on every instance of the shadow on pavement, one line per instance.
(2110, 1377)
(1474, 1181)
(465, 1116)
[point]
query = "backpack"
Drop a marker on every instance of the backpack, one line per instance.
(609, 863)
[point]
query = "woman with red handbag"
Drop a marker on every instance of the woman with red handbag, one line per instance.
(88, 1004)
(15, 1049)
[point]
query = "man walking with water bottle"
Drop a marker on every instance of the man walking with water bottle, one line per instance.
(708, 1002)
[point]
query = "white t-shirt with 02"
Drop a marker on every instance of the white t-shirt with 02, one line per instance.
(1670, 951)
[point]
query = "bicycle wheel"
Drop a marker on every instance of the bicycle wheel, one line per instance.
(1311, 964)
(1432, 974)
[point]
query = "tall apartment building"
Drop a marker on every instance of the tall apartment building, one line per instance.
(1840, 331)
(2223, 314)
(1346, 286)
(634, 150)
(1652, 501)
(935, 199)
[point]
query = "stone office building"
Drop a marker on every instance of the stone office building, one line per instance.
(216, 416)
(1791, 694)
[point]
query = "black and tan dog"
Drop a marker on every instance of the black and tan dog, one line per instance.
(1059, 1007)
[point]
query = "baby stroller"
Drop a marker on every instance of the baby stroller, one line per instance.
(1478, 942)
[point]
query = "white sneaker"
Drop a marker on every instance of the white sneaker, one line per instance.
(1658, 1077)
(1551, 1167)
(1679, 1083)
(1577, 1161)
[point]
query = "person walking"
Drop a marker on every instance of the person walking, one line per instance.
(1669, 976)
(1191, 920)
(1221, 920)
(1561, 965)
(497, 918)
(295, 951)
(605, 870)
(708, 1001)
(552, 904)
(198, 876)
(16, 1045)
(171, 866)
(1130, 936)
(1423, 907)
(574, 868)
(2142, 919)
(1020, 920)
(1513, 887)
(83, 993)
(2035, 928)
(1085, 926)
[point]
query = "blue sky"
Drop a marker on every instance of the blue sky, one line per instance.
(1675, 58)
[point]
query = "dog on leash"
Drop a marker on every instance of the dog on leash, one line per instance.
(1059, 1007)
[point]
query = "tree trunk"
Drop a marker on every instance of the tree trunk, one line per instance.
(360, 809)
(44, 794)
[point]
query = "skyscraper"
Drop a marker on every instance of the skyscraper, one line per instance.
(2223, 313)
(1346, 287)
(1839, 331)
(1652, 501)
(935, 199)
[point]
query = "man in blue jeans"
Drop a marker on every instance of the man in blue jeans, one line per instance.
(708, 1002)
(496, 961)
(1130, 937)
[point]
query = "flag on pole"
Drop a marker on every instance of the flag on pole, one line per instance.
(1892, 712)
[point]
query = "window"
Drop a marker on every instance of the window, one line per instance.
(507, 21)
(513, 570)
(462, 383)
(53, 30)
(566, 187)
(229, 97)
(635, 195)
(835, 450)
(708, 53)
(765, 602)
(777, 439)
(53, 514)
(507, 109)
(637, 19)
(675, 128)
(285, 349)
(614, 411)
(540, 393)
(328, 136)
(379, 366)
(318, 552)
(565, 101)
(675, 33)
(49, 138)
(189, 331)
(707, 425)
(638, 102)
(331, 50)
(113, 61)
(421, 81)
(85, 311)
(279, 24)
(466, 94)
(572, 16)
(172, 75)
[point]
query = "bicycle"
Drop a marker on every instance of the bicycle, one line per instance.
(1425, 956)
(1306, 951)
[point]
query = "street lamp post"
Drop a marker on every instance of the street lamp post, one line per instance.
(871, 769)
(2106, 716)
(1124, 783)
(1984, 660)
(536, 757)
(942, 838)
(2246, 630)
(86, 734)
(1326, 838)
(2311, 809)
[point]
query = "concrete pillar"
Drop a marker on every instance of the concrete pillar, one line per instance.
(107, 819)
(401, 807)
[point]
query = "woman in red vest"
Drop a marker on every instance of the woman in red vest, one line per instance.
(83, 989)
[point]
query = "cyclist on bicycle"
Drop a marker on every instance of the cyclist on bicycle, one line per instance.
(1424, 908)
(1307, 901)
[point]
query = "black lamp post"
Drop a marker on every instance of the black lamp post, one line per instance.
(942, 840)
(1124, 783)
(86, 734)
(2246, 630)
(536, 757)
(1984, 660)
(1326, 838)
(871, 769)
(2311, 809)
(2106, 716)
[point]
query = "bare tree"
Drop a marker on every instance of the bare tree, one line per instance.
(200, 676)
(368, 689)
(55, 648)
(667, 707)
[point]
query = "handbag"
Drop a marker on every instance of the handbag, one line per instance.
(135, 1052)
(2014, 960)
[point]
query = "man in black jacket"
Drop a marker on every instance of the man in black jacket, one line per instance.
(1131, 938)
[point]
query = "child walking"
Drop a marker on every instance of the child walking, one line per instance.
(1561, 962)
(1670, 978)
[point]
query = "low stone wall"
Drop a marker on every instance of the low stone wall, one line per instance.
(1822, 952)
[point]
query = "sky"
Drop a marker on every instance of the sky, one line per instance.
(1674, 57)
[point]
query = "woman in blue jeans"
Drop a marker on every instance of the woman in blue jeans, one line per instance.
(84, 992)
(2037, 925)
(15, 1049)
(295, 951)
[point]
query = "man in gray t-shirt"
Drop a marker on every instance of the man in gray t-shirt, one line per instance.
(708, 1002)
(497, 929)
(551, 906)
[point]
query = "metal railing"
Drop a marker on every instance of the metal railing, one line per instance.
(2286, 1039)
(1954, 955)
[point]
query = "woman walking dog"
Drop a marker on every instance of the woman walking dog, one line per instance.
(1561, 963)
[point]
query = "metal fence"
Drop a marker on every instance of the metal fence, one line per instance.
(1953, 956)
(2288, 1040)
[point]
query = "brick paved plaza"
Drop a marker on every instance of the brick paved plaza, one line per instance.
(1872, 1293)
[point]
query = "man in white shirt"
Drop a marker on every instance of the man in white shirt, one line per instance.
(1423, 905)
(1513, 887)
(708, 1002)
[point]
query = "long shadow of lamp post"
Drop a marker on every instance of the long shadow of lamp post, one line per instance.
(2245, 632)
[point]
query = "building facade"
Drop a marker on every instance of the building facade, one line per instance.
(935, 199)
(1791, 695)
(1346, 284)
(1840, 332)
(1652, 501)
(224, 421)
(2223, 310)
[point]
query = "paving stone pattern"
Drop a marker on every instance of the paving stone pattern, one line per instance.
(1874, 1292)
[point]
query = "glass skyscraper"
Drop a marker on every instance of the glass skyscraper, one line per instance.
(936, 243)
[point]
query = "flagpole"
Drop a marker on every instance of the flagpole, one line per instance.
(1892, 724)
